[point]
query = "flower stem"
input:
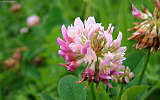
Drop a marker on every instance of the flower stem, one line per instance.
(92, 91)
(87, 9)
(150, 91)
(146, 60)
(120, 92)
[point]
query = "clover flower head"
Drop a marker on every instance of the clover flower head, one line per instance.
(89, 43)
(33, 20)
(147, 32)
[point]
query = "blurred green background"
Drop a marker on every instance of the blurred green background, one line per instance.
(30, 77)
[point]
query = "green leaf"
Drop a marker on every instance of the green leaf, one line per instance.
(133, 60)
(69, 90)
(152, 73)
(133, 92)
(45, 96)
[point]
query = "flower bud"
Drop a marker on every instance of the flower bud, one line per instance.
(24, 30)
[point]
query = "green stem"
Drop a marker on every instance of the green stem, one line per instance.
(150, 91)
(120, 93)
(87, 9)
(130, 1)
(146, 60)
(92, 91)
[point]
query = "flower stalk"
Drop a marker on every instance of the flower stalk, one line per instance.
(87, 9)
(150, 91)
(120, 92)
(93, 92)
(146, 60)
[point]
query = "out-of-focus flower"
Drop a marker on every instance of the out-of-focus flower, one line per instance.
(88, 42)
(13, 61)
(38, 60)
(10, 63)
(24, 30)
(17, 55)
(12, 1)
(147, 32)
(33, 21)
(16, 8)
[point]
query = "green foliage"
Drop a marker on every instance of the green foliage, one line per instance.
(44, 96)
(133, 59)
(101, 93)
(69, 90)
(133, 92)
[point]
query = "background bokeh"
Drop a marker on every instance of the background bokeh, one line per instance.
(30, 76)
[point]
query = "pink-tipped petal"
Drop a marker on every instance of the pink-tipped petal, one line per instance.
(93, 31)
(90, 71)
(79, 24)
(61, 53)
(86, 46)
(131, 75)
(60, 41)
(116, 73)
(108, 84)
(75, 47)
(90, 56)
(121, 79)
(121, 50)
(118, 40)
(65, 34)
(103, 76)
(109, 28)
(126, 79)
(91, 20)
(110, 55)
(136, 13)
(109, 39)
(111, 31)
(70, 57)
(106, 62)
(72, 66)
